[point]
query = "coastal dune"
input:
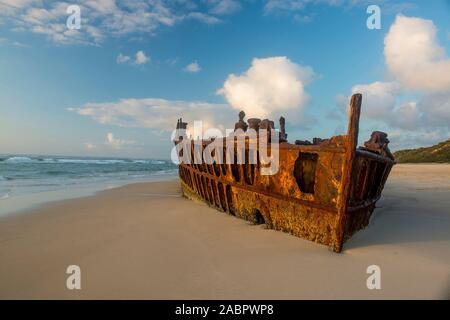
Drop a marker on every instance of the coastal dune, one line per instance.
(146, 241)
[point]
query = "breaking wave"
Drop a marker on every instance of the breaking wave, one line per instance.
(24, 159)
(4, 196)
(18, 159)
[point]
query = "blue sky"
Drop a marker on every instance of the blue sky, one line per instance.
(58, 89)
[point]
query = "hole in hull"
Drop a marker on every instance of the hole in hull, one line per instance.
(305, 171)
(259, 219)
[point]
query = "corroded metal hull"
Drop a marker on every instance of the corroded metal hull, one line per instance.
(322, 192)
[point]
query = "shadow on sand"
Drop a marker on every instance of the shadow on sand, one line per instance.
(404, 219)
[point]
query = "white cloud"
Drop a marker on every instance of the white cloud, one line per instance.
(90, 146)
(100, 18)
(297, 9)
(379, 98)
(290, 6)
(221, 7)
(193, 67)
(172, 61)
(380, 103)
(272, 6)
(158, 114)
(141, 58)
(49, 20)
(436, 110)
(420, 69)
(13, 6)
(202, 17)
(414, 56)
(6, 41)
(283, 91)
(18, 3)
(269, 86)
(406, 116)
(114, 18)
(303, 19)
(117, 143)
(102, 6)
(38, 16)
(122, 58)
(401, 139)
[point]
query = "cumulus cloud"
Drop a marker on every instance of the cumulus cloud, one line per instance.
(269, 86)
(407, 116)
(117, 143)
(436, 110)
(122, 58)
(379, 98)
(381, 102)
(193, 67)
(420, 69)
(141, 58)
(414, 56)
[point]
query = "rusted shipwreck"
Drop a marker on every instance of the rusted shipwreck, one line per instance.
(324, 190)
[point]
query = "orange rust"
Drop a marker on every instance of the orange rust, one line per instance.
(322, 192)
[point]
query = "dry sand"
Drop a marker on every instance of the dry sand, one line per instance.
(145, 241)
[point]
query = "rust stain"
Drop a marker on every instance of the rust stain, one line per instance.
(324, 191)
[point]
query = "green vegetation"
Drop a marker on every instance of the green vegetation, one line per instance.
(437, 153)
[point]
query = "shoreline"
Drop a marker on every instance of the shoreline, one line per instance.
(146, 241)
(28, 202)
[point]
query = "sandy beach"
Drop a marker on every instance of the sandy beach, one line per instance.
(145, 241)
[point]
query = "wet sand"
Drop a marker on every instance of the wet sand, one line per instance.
(145, 241)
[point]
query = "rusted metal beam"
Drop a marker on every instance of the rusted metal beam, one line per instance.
(352, 141)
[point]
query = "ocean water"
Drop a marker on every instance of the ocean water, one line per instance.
(41, 177)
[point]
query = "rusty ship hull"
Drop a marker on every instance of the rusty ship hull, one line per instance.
(322, 192)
